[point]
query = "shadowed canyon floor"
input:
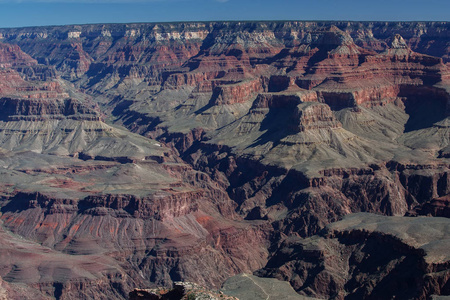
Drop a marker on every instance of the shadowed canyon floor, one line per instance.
(137, 155)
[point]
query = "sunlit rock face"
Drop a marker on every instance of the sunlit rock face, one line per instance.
(136, 155)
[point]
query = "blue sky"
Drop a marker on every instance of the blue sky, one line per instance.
(19, 13)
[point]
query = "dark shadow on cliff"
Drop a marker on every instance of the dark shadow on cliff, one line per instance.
(293, 182)
(425, 106)
(21, 202)
(423, 114)
(207, 106)
(133, 119)
(399, 268)
(97, 73)
(276, 125)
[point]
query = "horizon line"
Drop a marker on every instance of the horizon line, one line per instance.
(230, 21)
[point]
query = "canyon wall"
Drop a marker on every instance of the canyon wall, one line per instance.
(198, 151)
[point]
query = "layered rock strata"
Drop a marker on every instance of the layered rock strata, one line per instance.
(368, 256)
(246, 137)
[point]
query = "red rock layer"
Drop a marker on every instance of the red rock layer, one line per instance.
(12, 55)
(340, 262)
(255, 106)
(236, 93)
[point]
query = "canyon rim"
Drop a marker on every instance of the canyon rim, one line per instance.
(139, 155)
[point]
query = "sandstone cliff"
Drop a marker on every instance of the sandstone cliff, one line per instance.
(198, 151)
(368, 256)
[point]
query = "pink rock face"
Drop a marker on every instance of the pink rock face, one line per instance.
(236, 93)
(178, 223)
(135, 155)
(12, 55)
(10, 81)
(14, 85)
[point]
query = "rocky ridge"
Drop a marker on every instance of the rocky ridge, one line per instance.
(368, 256)
(246, 135)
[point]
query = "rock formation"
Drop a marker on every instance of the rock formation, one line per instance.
(136, 155)
(367, 256)
(180, 291)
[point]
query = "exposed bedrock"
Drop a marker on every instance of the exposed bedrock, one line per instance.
(236, 93)
(262, 191)
(13, 109)
(155, 240)
(437, 99)
(367, 256)
(12, 55)
(198, 151)
(265, 190)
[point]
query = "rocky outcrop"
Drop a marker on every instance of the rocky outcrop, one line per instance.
(236, 93)
(180, 291)
(246, 137)
(12, 56)
(439, 207)
(13, 85)
(168, 227)
(313, 117)
(367, 256)
(13, 109)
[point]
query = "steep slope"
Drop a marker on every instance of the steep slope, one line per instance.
(104, 210)
(244, 133)
(367, 256)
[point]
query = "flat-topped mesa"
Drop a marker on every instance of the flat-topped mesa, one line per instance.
(284, 83)
(383, 94)
(283, 100)
(29, 109)
(367, 97)
(337, 100)
(236, 93)
(160, 206)
(302, 110)
(278, 83)
(310, 116)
